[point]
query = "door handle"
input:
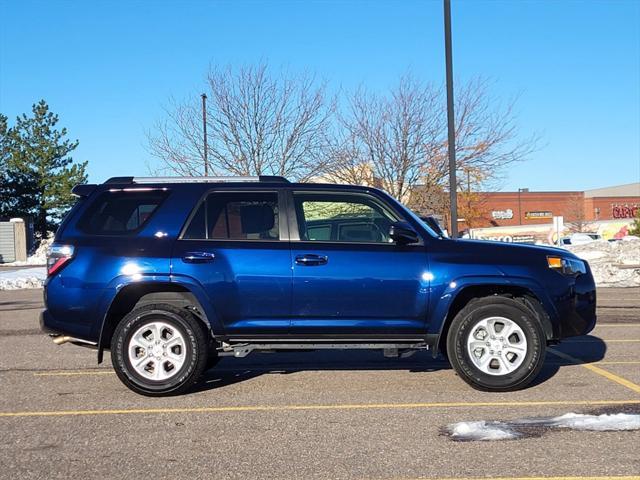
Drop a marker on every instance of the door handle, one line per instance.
(198, 257)
(310, 260)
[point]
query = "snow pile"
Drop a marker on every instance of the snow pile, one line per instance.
(614, 264)
(23, 278)
(487, 431)
(600, 423)
(39, 257)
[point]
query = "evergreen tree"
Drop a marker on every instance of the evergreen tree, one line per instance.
(37, 170)
(634, 229)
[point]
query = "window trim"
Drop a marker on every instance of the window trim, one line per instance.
(283, 231)
(295, 231)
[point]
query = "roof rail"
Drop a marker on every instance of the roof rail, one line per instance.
(261, 178)
(120, 180)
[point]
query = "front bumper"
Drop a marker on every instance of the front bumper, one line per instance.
(577, 309)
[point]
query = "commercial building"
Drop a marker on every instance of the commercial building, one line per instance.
(525, 207)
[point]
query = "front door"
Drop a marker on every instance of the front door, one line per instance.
(235, 246)
(348, 276)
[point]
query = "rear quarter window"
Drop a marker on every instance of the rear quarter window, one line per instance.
(120, 212)
(236, 216)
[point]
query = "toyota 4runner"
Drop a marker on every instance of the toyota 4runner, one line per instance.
(171, 274)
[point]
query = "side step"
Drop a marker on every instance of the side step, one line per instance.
(240, 350)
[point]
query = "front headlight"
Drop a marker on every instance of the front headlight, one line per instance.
(567, 266)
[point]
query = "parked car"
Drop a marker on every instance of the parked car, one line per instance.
(580, 238)
(171, 274)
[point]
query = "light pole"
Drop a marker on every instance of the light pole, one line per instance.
(520, 190)
(204, 132)
(453, 189)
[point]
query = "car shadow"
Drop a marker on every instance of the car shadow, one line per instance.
(235, 370)
(583, 350)
(229, 371)
(12, 306)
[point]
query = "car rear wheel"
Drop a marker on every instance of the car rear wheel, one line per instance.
(159, 350)
(496, 344)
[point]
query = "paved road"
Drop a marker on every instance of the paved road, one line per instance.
(309, 415)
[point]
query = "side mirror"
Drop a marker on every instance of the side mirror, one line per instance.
(403, 233)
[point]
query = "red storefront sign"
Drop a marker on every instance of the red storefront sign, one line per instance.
(624, 211)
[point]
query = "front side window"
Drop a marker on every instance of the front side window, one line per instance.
(235, 216)
(342, 218)
(120, 212)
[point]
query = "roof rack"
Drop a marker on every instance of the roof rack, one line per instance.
(143, 180)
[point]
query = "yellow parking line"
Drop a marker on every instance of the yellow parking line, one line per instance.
(606, 340)
(620, 325)
(620, 340)
(71, 373)
(629, 362)
(603, 373)
(621, 477)
(281, 408)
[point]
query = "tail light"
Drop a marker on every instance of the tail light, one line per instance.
(58, 256)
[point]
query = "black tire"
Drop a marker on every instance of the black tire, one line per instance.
(196, 346)
(212, 356)
(496, 306)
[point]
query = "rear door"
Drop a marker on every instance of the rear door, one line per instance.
(348, 276)
(236, 246)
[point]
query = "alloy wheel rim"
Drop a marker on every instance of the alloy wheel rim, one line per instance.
(497, 346)
(157, 351)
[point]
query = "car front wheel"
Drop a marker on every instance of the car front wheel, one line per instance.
(159, 350)
(496, 344)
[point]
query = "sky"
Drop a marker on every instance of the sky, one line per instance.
(108, 68)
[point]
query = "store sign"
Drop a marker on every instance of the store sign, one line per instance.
(502, 214)
(509, 238)
(539, 214)
(624, 211)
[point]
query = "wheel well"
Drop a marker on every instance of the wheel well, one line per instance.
(134, 296)
(521, 294)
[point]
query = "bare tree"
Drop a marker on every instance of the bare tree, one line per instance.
(399, 141)
(386, 140)
(258, 122)
(576, 218)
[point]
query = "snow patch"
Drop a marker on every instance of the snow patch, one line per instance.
(600, 423)
(23, 278)
(481, 431)
(493, 430)
(614, 264)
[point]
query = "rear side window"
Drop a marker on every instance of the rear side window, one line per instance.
(236, 216)
(121, 212)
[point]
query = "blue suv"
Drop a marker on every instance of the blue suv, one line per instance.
(171, 274)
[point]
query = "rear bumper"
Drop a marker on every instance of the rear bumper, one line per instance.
(51, 326)
(46, 327)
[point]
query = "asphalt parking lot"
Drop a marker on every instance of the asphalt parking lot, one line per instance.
(310, 415)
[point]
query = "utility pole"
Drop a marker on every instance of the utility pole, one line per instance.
(204, 132)
(453, 189)
(520, 191)
(519, 207)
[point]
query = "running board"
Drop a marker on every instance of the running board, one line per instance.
(240, 350)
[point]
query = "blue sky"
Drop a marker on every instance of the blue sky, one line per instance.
(108, 67)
